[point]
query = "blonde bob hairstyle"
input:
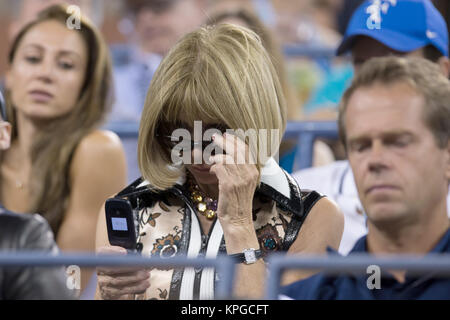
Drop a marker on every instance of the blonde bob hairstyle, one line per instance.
(218, 75)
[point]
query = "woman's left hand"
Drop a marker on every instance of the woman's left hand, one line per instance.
(238, 178)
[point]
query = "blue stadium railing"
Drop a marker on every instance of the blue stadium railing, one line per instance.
(435, 264)
(224, 265)
(124, 129)
(306, 132)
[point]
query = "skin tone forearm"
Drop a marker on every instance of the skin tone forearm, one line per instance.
(237, 184)
(98, 170)
(249, 279)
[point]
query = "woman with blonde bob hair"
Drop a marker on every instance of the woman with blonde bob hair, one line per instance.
(212, 123)
(58, 91)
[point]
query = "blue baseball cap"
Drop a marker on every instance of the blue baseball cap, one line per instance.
(402, 25)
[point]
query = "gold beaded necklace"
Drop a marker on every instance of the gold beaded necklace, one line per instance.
(204, 205)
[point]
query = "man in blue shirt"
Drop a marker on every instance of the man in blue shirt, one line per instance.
(158, 25)
(378, 28)
(394, 122)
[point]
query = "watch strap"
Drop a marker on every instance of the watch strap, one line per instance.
(248, 256)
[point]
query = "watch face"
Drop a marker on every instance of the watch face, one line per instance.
(250, 256)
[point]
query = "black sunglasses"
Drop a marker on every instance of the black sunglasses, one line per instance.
(173, 141)
(181, 143)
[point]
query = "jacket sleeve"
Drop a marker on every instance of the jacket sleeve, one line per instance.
(35, 283)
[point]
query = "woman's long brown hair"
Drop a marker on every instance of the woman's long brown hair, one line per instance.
(53, 148)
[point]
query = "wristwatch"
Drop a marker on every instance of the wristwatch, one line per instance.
(248, 256)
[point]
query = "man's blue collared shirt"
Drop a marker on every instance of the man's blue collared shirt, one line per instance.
(351, 287)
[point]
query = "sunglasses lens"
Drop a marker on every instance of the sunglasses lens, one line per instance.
(182, 144)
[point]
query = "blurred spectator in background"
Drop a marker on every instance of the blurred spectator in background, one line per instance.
(379, 29)
(308, 32)
(21, 12)
(345, 14)
(246, 18)
(215, 6)
(158, 24)
(403, 28)
(444, 8)
(312, 26)
(307, 22)
(58, 91)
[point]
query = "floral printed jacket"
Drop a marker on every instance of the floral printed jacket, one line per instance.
(168, 226)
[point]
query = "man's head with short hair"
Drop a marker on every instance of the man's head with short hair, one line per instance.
(422, 75)
(394, 121)
(402, 28)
